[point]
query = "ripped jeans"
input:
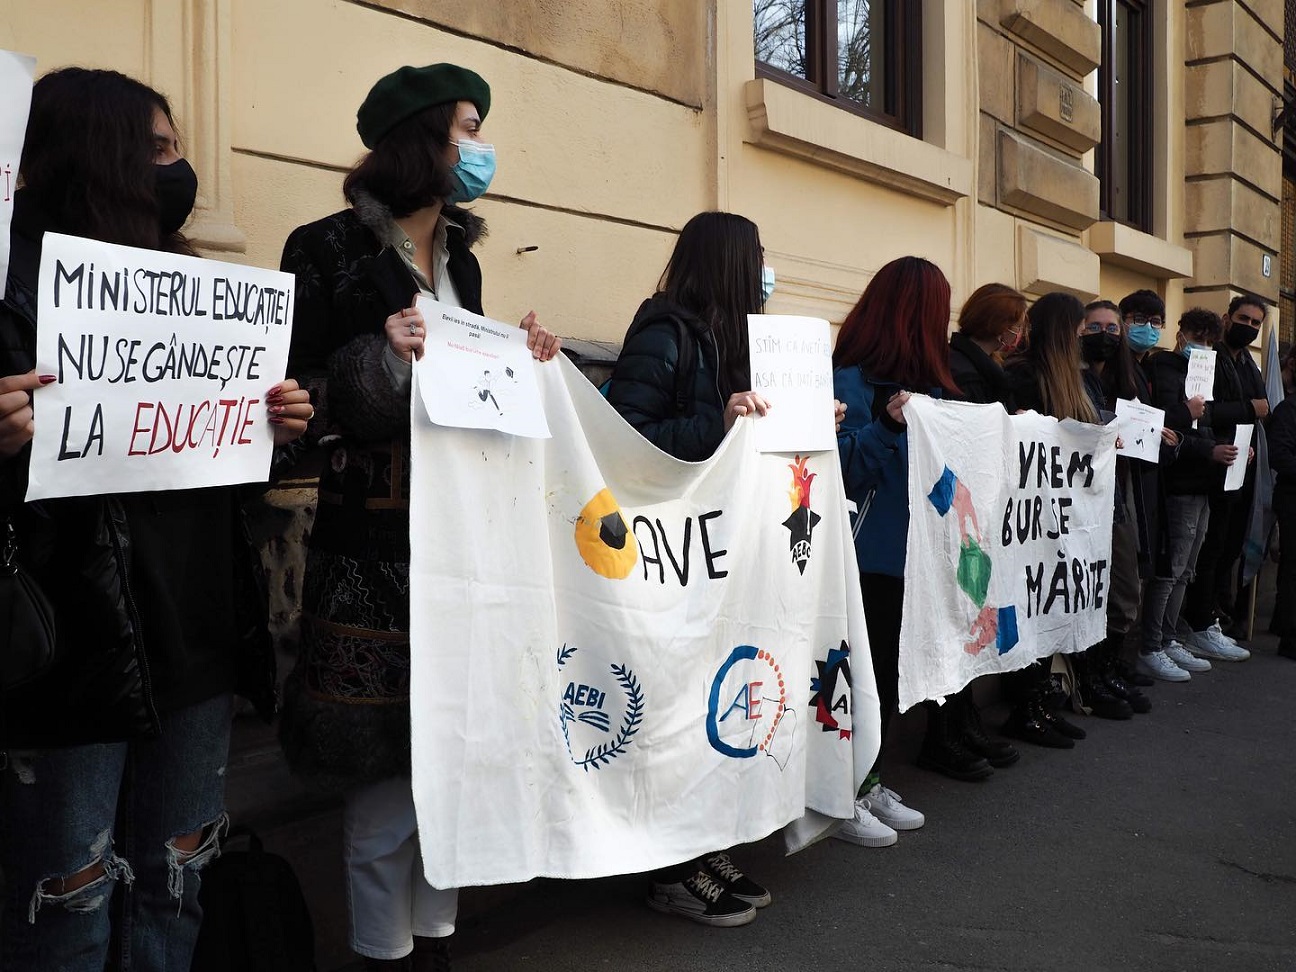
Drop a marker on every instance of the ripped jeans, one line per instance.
(121, 806)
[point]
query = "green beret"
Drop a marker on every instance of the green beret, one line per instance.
(408, 90)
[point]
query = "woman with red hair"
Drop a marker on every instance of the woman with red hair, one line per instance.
(892, 342)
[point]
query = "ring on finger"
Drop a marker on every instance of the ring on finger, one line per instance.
(413, 328)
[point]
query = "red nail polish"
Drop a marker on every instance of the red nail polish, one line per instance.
(276, 420)
(46, 379)
(276, 409)
(275, 392)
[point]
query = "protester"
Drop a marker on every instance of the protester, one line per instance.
(892, 342)
(114, 782)
(991, 323)
(682, 379)
(1112, 374)
(1282, 458)
(356, 331)
(1187, 481)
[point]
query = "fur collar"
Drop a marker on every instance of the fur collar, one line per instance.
(376, 215)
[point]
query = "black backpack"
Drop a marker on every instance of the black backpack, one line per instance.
(254, 916)
(685, 367)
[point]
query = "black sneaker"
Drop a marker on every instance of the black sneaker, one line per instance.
(703, 899)
(723, 869)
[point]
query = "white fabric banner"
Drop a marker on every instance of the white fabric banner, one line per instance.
(16, 73)
(619, 660)
(1010, 520)
(162, 362)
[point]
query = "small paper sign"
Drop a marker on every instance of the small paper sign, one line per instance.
(16, 72)
(1139, 428)
(1201, 374)
(791, 368)
(1236, 473)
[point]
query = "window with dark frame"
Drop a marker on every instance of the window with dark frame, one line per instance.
(1124, 157)
(863, 55)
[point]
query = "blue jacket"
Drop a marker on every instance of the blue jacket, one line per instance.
(875, 468)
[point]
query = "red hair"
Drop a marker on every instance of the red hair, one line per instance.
(899, 329)
(991, 311)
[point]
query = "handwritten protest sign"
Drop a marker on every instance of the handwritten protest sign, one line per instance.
(16, 72)
(1009, 542)
(1201, 374)
(791, 367)
(163, 364)
(478, 374)
(1139, 428)
(1235, 475)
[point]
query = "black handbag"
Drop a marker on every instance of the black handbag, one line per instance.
(26, 619)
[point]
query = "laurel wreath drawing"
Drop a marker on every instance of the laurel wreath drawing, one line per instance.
(597, 757)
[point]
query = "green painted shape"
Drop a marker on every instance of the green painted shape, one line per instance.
(974, 571)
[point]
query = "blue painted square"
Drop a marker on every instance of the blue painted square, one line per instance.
(942, 494)
(1007, 637)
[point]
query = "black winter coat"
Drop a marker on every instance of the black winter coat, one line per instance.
(979, 377)
(1194, 472)
(1281, 432)
(105, 684)
(642, 388)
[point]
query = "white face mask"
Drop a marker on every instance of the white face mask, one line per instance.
(767, 283)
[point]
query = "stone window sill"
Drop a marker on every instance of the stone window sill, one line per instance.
(1127, 247)
(788, 121)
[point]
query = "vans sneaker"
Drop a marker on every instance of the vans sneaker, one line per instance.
(703, 899)
(886, 806)
(866, 829)
(1158, 665)
(723, 869)
(1185, 659)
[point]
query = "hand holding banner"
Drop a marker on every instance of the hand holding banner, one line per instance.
(162, 364)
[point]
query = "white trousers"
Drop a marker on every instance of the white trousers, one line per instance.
(389, 899)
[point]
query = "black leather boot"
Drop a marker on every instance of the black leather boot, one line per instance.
(943, 750)
(431, 954)
(1050, 709)
(1100, 699)
(967, 718)
(1107, 671)
(1026, 721)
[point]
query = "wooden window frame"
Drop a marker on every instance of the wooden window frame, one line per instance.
(1139, 137)
(902, 77)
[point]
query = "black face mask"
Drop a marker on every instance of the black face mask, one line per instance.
(1099, 347)
(1240, 335)
(177, 187)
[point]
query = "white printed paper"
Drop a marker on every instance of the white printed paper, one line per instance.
(16, 73)
(1201, 375)
(620, 661)
(476, 373)
(1236, 473)
(1139, 428)
(163, 365)
(791, 368)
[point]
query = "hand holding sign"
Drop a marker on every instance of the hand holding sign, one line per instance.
(16, 417)
(290, 410)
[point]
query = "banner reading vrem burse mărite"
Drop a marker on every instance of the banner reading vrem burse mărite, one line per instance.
(620, 660)
(162, 363)
(1010, 521)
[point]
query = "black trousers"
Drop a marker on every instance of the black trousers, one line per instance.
(1284, 615)
(1216, 559)
(883, 602)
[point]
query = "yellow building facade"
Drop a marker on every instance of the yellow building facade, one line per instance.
(614, 122)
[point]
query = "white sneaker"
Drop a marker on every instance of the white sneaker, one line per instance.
(866, 829)
(1182, 657)
(1213, 643)
(1158, 665)
(886, 806)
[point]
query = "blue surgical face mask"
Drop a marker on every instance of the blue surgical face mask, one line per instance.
(473, 172)
(767, 283)
(1189, 348)
(1143, 336)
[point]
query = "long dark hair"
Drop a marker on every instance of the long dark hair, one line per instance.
(407, 170)
(899, 328)
(1117, 378)
(1055, 353)
(89, 157)
(715, 272)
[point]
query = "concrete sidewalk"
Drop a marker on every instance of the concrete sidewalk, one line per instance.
(1168, 842)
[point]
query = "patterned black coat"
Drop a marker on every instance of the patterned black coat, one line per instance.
(346, 705)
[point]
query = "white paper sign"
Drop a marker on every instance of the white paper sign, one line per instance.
(16, 72)
(1139, 428)
(1236, 473)
(163, 364)
(478, 374)
(791, 367)
(1201, 375)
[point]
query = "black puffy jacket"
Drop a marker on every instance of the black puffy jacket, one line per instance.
(642, 388)
(979, 377)
(1194, 472)
(80, 552)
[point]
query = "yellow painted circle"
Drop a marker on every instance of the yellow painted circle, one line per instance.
(604, 538)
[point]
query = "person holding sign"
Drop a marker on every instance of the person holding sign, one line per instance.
(346, 718)
(1187, 483)
(682, 379)
(114, 785)
(892, 342)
